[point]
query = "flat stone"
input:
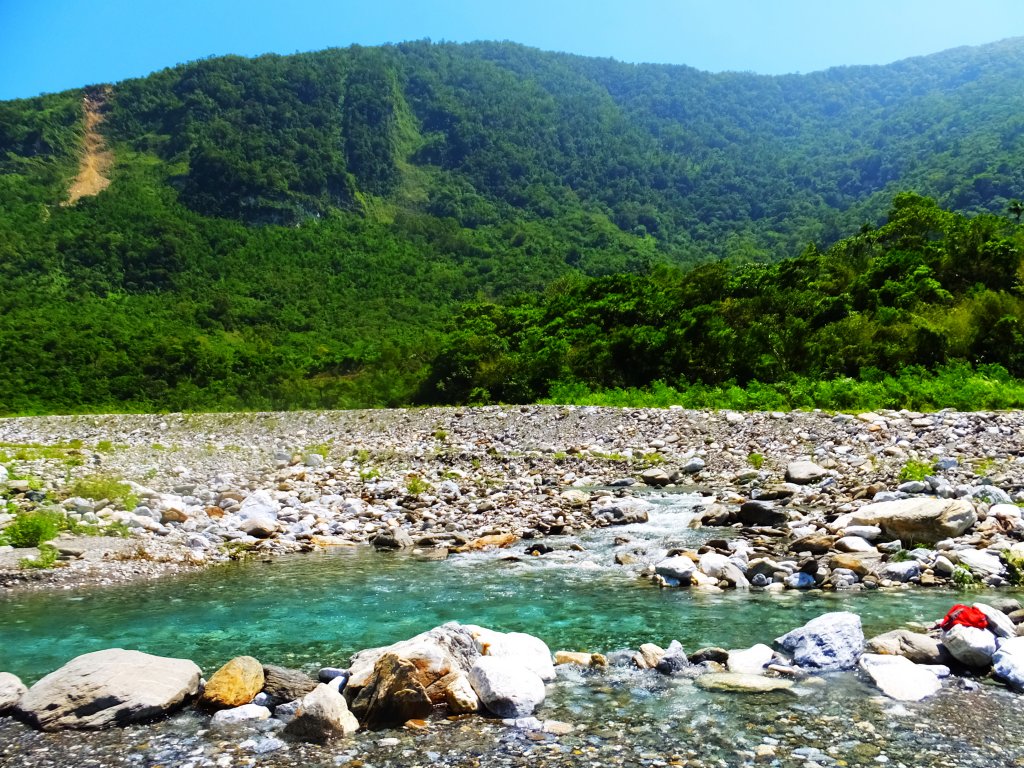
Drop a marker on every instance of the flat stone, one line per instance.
(740, 683)
(109, 688)
(804, 472)
(242, 714)
(899, 678)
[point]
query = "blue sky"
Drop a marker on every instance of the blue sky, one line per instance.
(51, 45)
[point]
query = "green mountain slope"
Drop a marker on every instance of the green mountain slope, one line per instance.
(295, 231)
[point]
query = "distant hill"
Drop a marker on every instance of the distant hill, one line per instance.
(295, 230)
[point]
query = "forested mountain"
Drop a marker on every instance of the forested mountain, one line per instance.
(296, 231)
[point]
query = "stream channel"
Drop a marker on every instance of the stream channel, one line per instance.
(309, 611)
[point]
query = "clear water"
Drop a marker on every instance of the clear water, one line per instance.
(311, 610)
(316, 610)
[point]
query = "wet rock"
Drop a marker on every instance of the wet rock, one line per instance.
(580, 659)
(921, 520)
(392, 695)
(673, 661)
(242, 714)
(11, 691)
(800, 580)
(804, 472)
(234, 684)
(833, 641)
(971, 646)
(739, 683)
(506, 687)
(815, 543)
(680, 568)
(918, 648)
(281, 684)
(623, 512)
(899, 678)
(704, 655)
(109, 688)
(394, 538)
(322, 715)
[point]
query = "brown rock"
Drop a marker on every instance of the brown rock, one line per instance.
(649, 656)
(919, 648)
(860, 563)
(816, 544)
(580, 659)
(234, 684)
(322, 715)
(499, 540)
(392, 695)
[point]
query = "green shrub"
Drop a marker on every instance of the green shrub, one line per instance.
(105, 487)
(30, 529)
(756, 460)
(416, 485)
(964, 578)
(47, 558)
(915, 470)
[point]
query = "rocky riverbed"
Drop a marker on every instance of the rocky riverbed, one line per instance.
(805, 499)
(791, 502)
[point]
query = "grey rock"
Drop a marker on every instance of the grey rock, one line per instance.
(980, 562)
(804, 472)
(762, 513)
(913, 486)
(281, 684)
(506, 687)
(833, 641)
(394, 538)
(917, 647)
(108, 688)
(693, 466)
(971, 646)
(902, 571)
(322, 714)
(991, 494)
(736, 682)
(655, 476)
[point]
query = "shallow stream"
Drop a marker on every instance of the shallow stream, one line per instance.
(315, 610)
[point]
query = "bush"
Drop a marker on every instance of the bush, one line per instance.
(30, 529)
(47, 558)
(105, 487)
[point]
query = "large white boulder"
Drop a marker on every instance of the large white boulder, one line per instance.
(506, 687)
(919, 520)
(526, 650)
(900, 678)
(971, 646)
(832, 641)
(108, 688)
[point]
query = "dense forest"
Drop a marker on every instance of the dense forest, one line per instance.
(488, 222)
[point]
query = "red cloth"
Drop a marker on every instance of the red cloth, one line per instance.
(966, 615)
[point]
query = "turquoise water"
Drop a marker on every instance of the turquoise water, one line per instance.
(316, 610)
